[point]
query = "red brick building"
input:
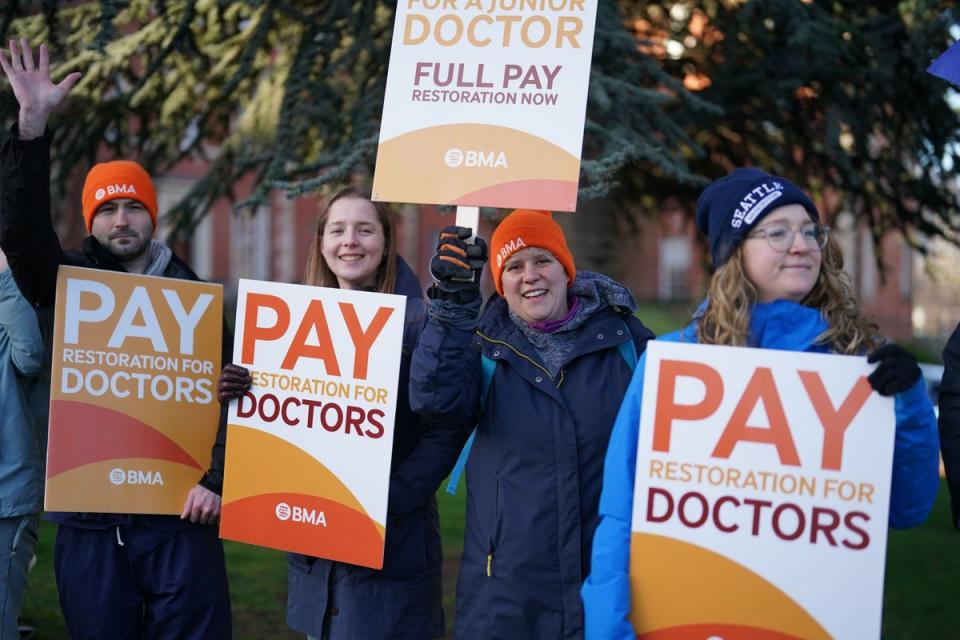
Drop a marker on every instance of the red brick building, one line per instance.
(662, 262)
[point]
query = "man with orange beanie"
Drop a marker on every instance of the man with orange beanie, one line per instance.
(118, 575)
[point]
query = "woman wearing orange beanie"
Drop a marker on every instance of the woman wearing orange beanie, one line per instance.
(542, 374)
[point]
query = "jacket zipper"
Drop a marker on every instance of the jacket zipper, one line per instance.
(494, 530)
(511, 347)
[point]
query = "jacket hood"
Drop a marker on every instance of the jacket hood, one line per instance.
(407, 283)
(606, 292)
(780, 324)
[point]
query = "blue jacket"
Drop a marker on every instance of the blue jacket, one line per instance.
(533, 476)
(776, 325)
(334, 600)
(23, 417)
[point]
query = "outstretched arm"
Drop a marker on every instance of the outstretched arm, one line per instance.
(916, 459)
(445, 372)
(26, 233)
(36, 94)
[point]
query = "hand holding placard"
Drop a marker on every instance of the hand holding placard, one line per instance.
(311, 438)
(759, 471)
(133, 415)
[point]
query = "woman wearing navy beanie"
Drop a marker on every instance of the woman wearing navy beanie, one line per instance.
(779, 284)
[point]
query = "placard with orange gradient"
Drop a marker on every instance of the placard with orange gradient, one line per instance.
(308, 461)
(133, 412)
(761, 495)
(485, 104)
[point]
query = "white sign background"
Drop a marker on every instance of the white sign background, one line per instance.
(550, 106)
(361, 463)
(818, 577)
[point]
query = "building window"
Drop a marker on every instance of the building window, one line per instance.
(170, 191)
(843, 231)
(674, 268)
(250, 249)
(284, 241)
(906, 270)
(868, 267)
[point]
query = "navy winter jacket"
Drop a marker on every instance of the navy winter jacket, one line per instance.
(533, 476)
(334, 600)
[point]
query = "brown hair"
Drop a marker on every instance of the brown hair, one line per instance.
(317, 271)
(731, 297)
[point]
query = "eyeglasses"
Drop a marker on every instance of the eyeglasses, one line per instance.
(781, 237)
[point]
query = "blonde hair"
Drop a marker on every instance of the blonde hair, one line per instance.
(731, 296)
(318, 272)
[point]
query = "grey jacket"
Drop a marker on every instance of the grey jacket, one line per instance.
(24, 398)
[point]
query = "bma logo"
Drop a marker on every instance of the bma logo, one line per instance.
(471, 158)
(509, 248)
(453, 157)
(299, 514)
(135, 476)
(115, 189)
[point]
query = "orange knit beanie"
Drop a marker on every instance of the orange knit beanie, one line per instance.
(117, 179)
(526, 228)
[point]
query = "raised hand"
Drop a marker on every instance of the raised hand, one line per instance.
(456, 267)
(37, 95)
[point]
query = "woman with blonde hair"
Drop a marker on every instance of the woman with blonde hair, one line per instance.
(779, 284)
(355, 248)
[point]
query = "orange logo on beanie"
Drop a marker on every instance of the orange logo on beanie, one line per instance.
(508, 249)
(527, 228)
(115, 190)
(108, 181)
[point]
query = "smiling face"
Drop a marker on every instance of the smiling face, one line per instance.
(352, 242)
(124, 227)
(782, 275)
(535, 285)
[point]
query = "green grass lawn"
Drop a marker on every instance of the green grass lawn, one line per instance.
(666, 317)
(923, 565)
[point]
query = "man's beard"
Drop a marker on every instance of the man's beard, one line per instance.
(129, 251)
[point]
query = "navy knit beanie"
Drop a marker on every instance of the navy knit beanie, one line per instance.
(729, 208)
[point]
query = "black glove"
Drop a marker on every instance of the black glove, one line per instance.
(457, 266)
(897, 371)
(234, 380)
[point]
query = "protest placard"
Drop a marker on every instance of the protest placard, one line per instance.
(133, 408)
(309, 446)
(485, 103)
(762, 494)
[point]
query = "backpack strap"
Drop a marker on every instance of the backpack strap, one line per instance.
(488, 366)
(628, 349)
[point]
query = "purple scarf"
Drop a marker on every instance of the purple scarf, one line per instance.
(549, 326)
